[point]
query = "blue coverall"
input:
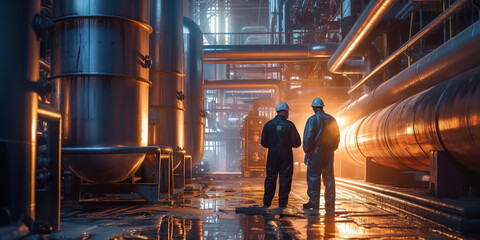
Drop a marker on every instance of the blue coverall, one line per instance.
(321, 156)
(279, 135)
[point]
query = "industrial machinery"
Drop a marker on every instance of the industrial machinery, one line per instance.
(113, 91)
(255, 158)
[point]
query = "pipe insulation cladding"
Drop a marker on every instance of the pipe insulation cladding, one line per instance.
(445, 117)
(100, 64)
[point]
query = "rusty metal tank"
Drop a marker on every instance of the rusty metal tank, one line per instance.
(100, 64)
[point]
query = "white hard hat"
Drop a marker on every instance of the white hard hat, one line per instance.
(282, 106)
(317, 102)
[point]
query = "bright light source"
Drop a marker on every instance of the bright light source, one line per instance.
(341, 122)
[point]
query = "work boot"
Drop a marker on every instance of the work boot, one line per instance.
(310, 205)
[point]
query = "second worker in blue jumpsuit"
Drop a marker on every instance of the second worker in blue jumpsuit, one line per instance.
(279, 135)
(320, 139)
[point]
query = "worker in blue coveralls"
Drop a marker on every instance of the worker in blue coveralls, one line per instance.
(320, 139)
(279, 135)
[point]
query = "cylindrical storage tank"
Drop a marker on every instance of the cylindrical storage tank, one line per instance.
(443, 118)
(100, 63)
(167, 110)
(19, 66)
(194, 112)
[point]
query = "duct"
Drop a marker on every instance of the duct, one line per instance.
(245, 84)
(100, 63)
(194, 112)
(443, 118)
(19, 67)
(426, 30)
(368, 20)
(167, 93)
(451, 58)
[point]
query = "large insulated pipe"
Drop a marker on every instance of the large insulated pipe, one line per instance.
(366, 22)
(194, 112)
(451, 58)
(19, 67)
(444, 118)
(100, 63)
(167, 111)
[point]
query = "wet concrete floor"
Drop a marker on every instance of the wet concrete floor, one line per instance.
(211, 214)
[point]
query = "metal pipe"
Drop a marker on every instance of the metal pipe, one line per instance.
(451, 58)
(48, 112)
(45, 65)
(220, 54)
(167, 111)
(274, 19)
(286, 20)
(241, 84)
(245, 84)
(402, 136)
(312, 51)
(368, 20)
(101, 65)
(254, 60)
(426, 30)
(19, 67)
(241, 69)
(112, 150)
(194, 112)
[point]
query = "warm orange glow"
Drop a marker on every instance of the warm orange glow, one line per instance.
(341, 122)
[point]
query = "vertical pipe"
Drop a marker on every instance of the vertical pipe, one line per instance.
(166, 74)
(286, 20)
(19, 50)
(194, 113)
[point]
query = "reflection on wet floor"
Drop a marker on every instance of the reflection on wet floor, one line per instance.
(213, 214)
